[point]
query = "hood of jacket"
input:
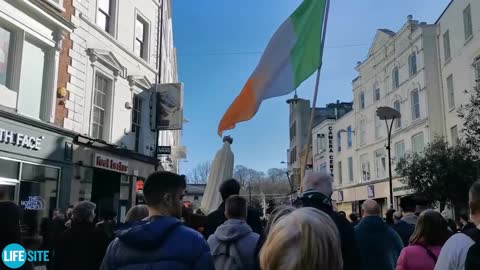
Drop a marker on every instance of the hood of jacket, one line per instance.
(232, 230)
(149, 234)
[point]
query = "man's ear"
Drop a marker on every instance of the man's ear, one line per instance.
(167, 198)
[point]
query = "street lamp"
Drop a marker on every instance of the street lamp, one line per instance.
(290, 183)
(388, 113)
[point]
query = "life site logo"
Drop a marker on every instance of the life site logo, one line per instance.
(15, 256)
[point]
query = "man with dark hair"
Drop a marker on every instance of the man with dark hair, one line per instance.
(161, 241)
(231, 245)
(81, 246)
(354, 219)
(406, 226)
(216, 218)
(466, 224)
(462, 250)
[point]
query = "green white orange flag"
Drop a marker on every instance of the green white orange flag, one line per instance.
(292, 55)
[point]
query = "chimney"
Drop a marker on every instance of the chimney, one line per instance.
(410, 17)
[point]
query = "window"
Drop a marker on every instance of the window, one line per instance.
(362, 100)
(137, 120)
(350, 169)
(476, 66)
(104, 15)
(141, 38)
(377, 94)
(37, 197)
(6, 44)
(365, 167)
(418, 144)
(412, 64)
(339, 141)
(293, 155)
(340, 180)
(323, 168)
(454, 135)
(32, 76)
(399, 151)
(415, 104)
(378, 126)
(102, 89)
(398, 121)
(293, 131)
(450, 92)
(380, 163)
(446, 46)
(363, 131)
(349, 136)
(467, 22)
(395, 78)
(321, 143)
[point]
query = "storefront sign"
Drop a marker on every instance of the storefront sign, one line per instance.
(402, 188)
(33, 203)
(164, 150)
(330, 148)
(20, 140)
(111, 164)
(340, 195)
(371, 191)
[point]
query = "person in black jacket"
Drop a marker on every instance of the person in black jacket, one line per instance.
(406, 226)
(317, 192)
(81, 246)
(216, 218)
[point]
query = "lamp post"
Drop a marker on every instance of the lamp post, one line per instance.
(388, 113)
(290, 183)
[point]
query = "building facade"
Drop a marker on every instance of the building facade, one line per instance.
(35, 156)
(459, 59)
(402, 72)
(112, 61)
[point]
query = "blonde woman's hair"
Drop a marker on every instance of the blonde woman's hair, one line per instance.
(304, 239)
(136, 213)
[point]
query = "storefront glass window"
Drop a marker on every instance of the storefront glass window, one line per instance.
(9, 170)
(38, 198)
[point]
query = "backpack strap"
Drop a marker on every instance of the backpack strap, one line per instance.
(474, 234)
(430, 253)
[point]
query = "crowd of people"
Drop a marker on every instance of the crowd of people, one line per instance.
(312, 235)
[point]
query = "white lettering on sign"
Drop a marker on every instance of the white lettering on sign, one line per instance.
(20, 140)
(330, 148)
(33, 203)
(111, 164)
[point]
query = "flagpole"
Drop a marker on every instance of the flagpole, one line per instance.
(317, 81)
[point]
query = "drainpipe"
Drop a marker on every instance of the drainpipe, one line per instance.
(159, 74)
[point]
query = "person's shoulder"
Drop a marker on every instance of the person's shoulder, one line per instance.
(189, 233)
(459, 241)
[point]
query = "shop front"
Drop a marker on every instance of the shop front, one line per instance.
(108, 176)
(35, 169)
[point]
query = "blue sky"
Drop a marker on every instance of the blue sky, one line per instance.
(218, 44)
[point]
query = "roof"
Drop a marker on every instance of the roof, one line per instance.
(445, 10)
(387, 31)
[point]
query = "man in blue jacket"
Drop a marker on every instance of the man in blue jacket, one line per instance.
(161, 241)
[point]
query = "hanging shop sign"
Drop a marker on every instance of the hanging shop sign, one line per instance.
(330, 148)
(20, 140)
(371, 191)
(111, 164)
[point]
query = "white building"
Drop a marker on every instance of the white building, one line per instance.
(35, 156)
(459, 58)
(113, 62)
(401, 71)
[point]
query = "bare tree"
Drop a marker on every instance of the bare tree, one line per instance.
(199, 174)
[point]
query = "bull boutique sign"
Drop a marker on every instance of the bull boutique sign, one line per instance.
(330, 148)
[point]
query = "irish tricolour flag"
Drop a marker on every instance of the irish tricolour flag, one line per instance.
(292, 55)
